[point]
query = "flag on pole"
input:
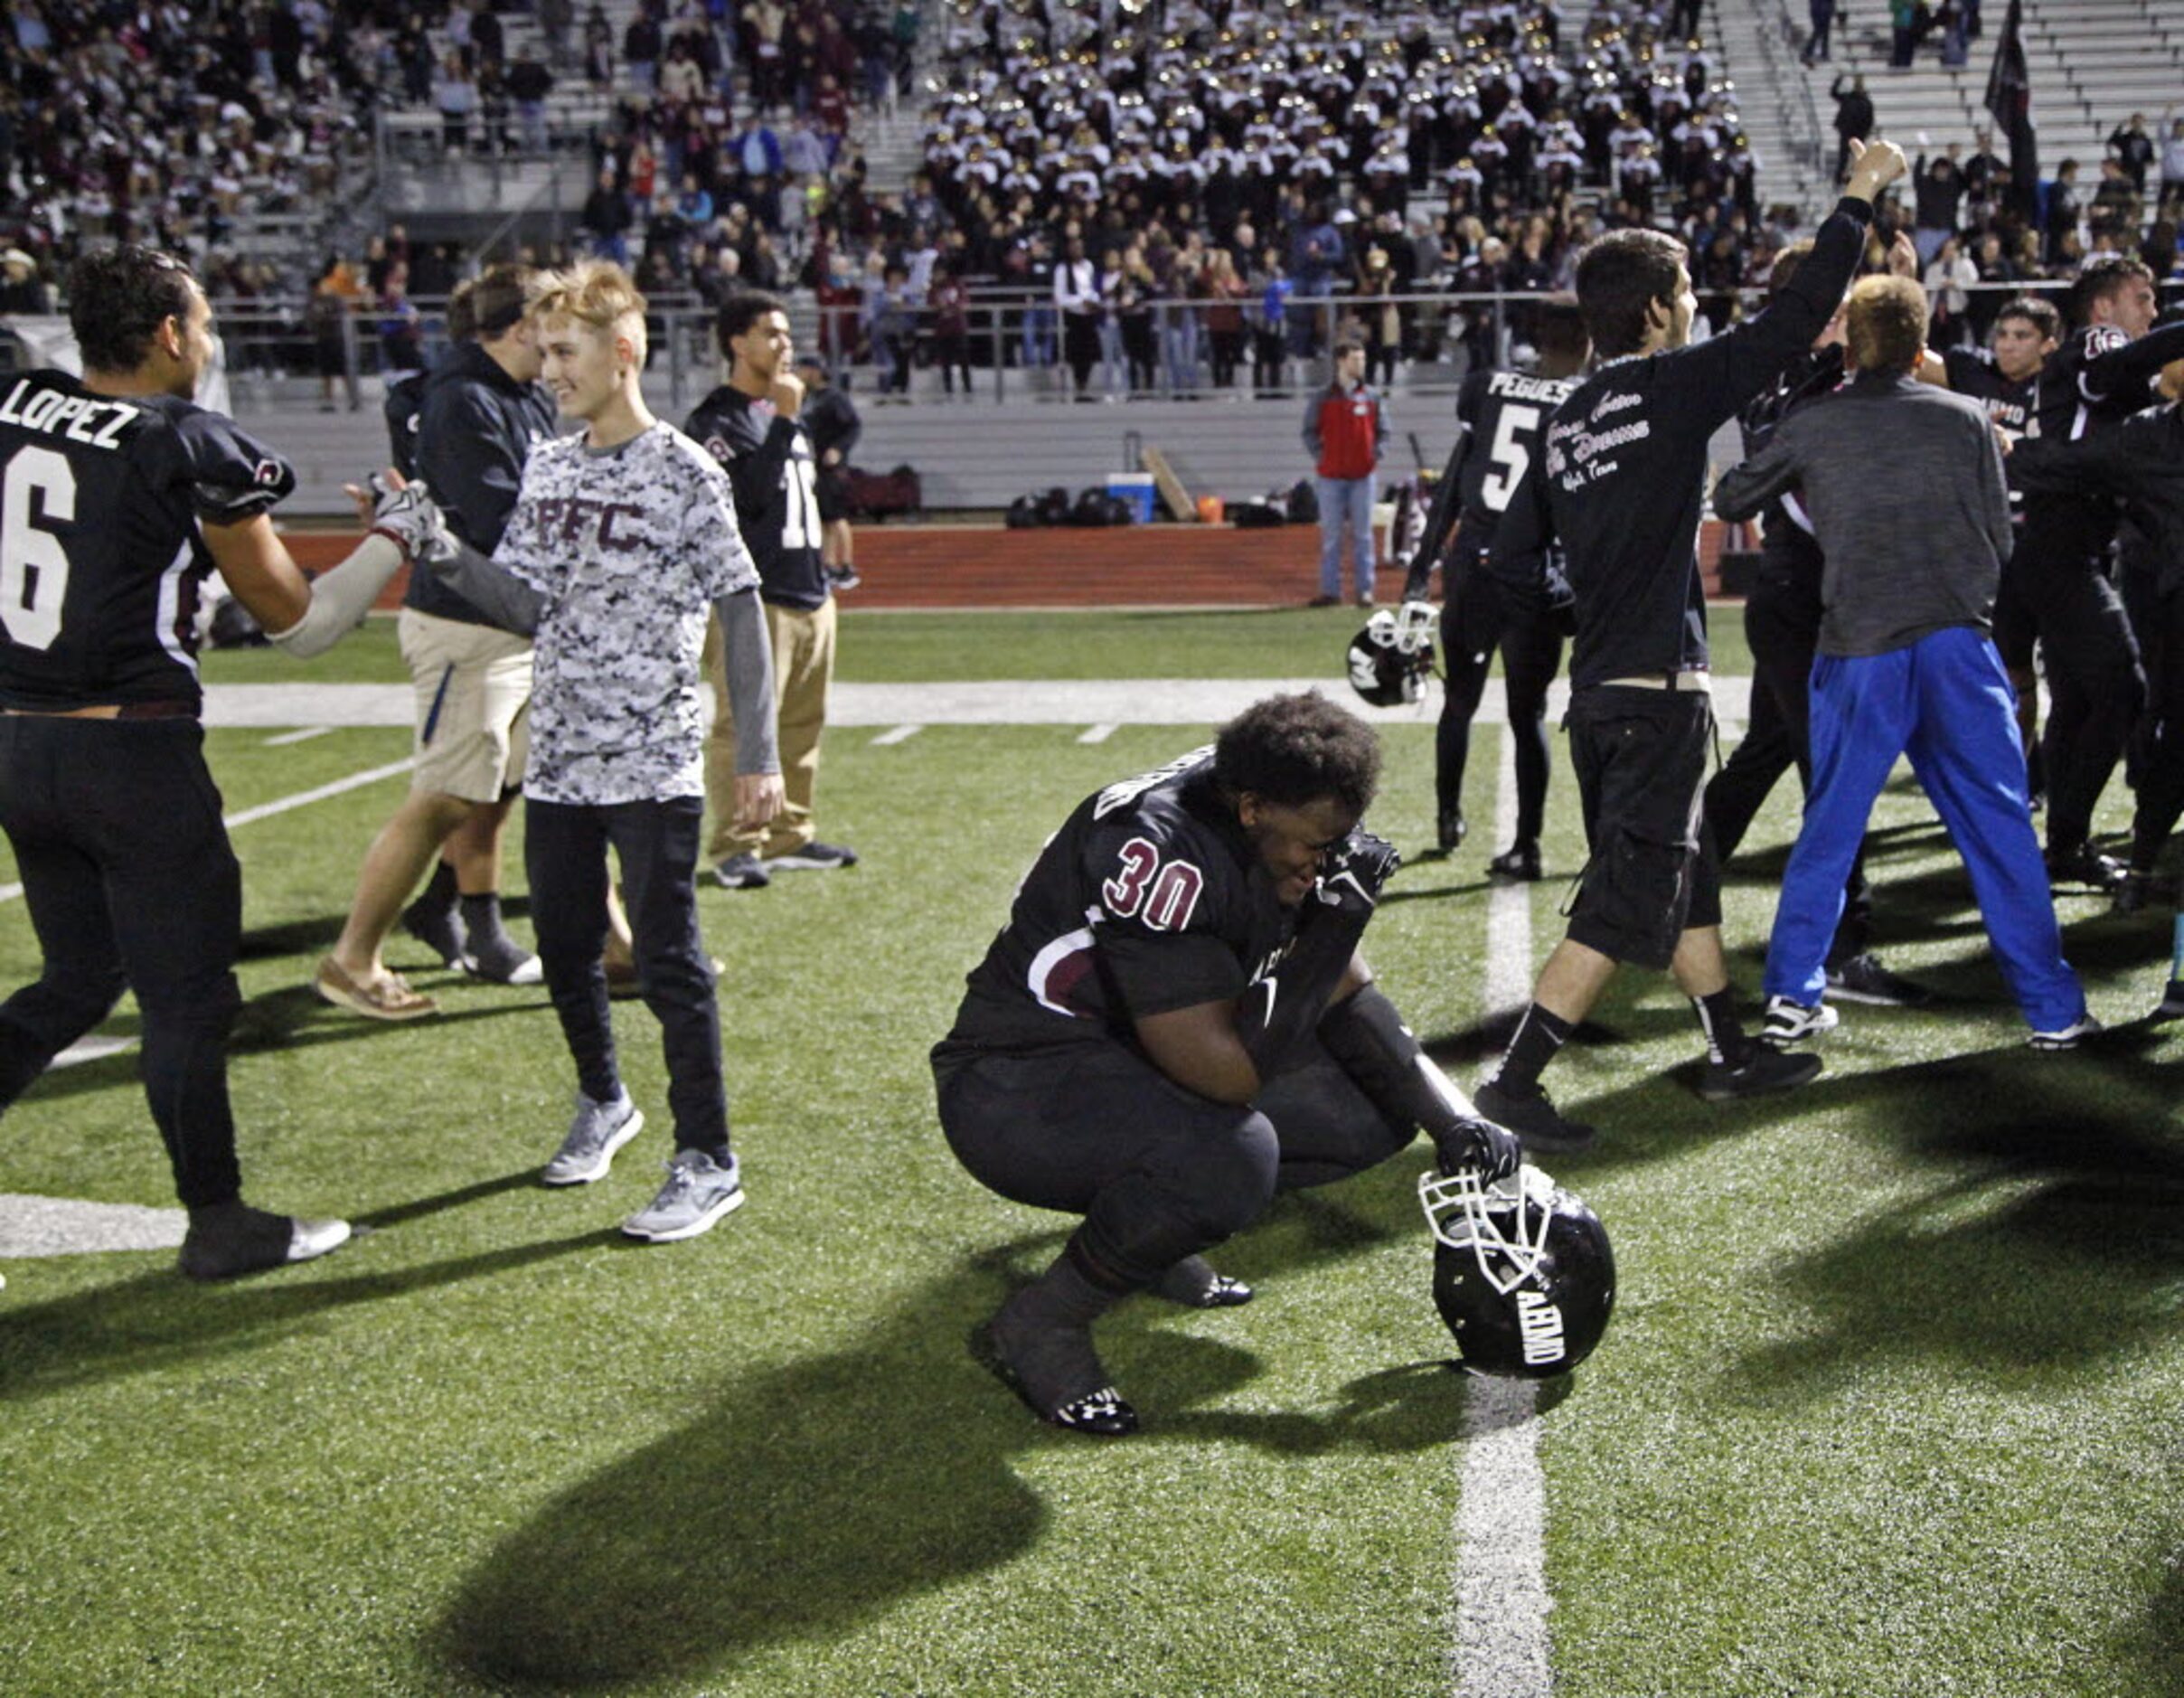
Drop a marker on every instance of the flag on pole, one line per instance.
(2010, 99)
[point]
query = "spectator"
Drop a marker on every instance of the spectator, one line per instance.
(2134, 148)
(1345, 431)
(950, 306)
(831, 418)
(23, 291)
(1948, 276)
(1937, 190)
(1853, 114)
(641, 49)
(607, 218)
(529, 84)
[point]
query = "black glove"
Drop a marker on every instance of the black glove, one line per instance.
(1479, 1143)
(1352, 874)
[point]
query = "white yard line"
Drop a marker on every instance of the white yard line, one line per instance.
(896, 734)
(1095, 733)
(1502, 1602)
(303, 736)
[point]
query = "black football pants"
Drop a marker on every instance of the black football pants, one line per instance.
(129, 881)
(1781, 624)
(2161, 735)
(1474, 622)
(1158, 1172)
(656, 843)
(2095, 685)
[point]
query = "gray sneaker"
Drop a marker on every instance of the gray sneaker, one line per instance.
(598, 1130)
(699, 1190)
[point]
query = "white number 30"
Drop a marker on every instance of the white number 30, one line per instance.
(33, 566)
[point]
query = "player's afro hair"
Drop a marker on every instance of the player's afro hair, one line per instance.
(1294, 750)
(118, 297)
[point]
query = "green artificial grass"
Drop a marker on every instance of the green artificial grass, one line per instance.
(1887, 1407)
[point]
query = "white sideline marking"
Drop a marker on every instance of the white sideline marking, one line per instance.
(1502, 1602)
(304, 736)
(302, 798)
(1095, 733)
(62, 1226)
(900, 734)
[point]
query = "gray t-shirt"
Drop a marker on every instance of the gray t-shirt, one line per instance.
(1904, 485)
(630, 547)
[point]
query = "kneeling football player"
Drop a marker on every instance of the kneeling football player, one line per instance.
(1175, 1024)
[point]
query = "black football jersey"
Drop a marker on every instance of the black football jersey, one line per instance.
(2008, 401)
(1788, 552)
(2097, 379)
(1148, 899)
(769, 460)
(102, 558)
(1502, 413)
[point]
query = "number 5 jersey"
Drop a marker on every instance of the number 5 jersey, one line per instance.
(100, 553)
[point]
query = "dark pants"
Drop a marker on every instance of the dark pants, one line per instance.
(1080, 346)
(565, 854)
(129, 880)
(2095, 685)
(1650, 875)
(1157, 1172)
(1474, 622)
(1781, 623)
(2161, 735)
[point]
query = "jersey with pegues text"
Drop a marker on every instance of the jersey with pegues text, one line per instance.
(1148, 899)
(101, 557)
(630, 548)
(1502, 413)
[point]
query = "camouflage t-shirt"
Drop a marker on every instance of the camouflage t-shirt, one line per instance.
(630, 548)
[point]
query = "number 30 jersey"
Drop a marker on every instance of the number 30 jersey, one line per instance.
(1148, 899)
(769, 460)
(101, 556)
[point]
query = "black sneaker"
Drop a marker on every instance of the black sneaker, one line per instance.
(230, 1240)
(1863, 980)
(1101, 1412)
(1520, 862)
(1450, 828)
(439, 926)
(2171, 1006)
(2082, 865)
(843, 578)
(813, 857)
(1534, 1121)
(1761, 1071)
(2132, 892)
(742, 872)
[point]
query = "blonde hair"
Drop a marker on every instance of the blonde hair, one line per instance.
(597, 295)
(1884, 323)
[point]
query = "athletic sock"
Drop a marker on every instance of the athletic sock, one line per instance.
(440, 891)
(495, 952)
(1540, 1036)
(1044, 1335)
(1725, 1035)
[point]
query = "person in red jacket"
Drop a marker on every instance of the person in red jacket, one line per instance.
(1345, 427)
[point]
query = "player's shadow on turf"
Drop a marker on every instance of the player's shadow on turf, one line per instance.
(158, 1322)
(2085, 1186)
(812, 1496)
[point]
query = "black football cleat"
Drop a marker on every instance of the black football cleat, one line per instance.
(2082, 865)
(1764, 1070)
(1450, 828)
(1533, 1118)
(1520, 862)
(1100, 1413)
(1194, 1284)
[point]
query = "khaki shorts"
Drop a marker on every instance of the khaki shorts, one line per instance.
(473, 705)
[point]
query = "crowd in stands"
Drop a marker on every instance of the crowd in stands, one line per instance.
(1234, 185)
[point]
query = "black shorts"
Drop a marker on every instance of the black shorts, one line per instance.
(1640, 756)
(833, 492)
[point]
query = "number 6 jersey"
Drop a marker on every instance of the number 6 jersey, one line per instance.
(100, 553)
(1150, 899)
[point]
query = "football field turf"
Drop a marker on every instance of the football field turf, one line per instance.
(1888, 1405)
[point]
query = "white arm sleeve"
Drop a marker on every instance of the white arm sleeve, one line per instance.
(341, 597)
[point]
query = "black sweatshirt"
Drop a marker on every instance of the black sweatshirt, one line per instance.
(1622, 482)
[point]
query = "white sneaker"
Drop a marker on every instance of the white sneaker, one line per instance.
(598, 1131)
(2067, 1037)
(1789, 1021)
(698, 1192)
